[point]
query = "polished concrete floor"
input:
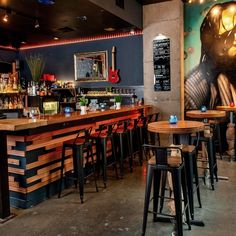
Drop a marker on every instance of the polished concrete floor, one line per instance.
(118, 210)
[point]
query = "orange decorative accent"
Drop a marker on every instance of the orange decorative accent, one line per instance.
(82, 39)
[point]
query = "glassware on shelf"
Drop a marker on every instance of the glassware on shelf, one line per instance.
(33, 112)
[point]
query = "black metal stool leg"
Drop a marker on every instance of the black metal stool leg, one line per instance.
(130, 153)
(80, 171)
(90, 148)
(104, 160)
(156, 188)
(114, 155)
(176, 179)
(189, 174)
(210, 161)
(121, 156)
(185, 195)
(147, 198)
(163, 186)
(195, 171)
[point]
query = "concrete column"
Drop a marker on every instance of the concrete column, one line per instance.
(164, 18)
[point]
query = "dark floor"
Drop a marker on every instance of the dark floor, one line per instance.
(118, 209)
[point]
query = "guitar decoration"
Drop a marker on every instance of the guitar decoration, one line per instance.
(113, 73)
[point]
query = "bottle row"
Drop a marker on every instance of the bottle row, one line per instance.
(9, 83)
(40, 89)
(11, 102)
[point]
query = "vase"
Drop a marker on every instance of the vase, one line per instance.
(83, 109)
(118, 105)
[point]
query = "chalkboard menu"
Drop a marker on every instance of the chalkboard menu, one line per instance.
(161, 61)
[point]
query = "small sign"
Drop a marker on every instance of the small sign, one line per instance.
(161, 62)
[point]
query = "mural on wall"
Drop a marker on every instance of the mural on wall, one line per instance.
(210, 54)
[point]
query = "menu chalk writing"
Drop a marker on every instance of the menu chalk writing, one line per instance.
(161, 62)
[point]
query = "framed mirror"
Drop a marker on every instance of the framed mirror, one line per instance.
(91, 66)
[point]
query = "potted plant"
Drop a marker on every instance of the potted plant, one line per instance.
(83, 104)
(118, 100)
(36, 65)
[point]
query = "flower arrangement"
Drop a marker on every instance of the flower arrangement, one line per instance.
(83, 101)
(36, 65)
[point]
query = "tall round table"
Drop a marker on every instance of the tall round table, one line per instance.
(181, 127)
(209, 114)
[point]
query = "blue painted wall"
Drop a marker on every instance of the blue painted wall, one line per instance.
(8, 55)
(60, 60)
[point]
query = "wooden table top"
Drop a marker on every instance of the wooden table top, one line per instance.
(182, 127)
(207, 114)
(226, 108)
(28, 123)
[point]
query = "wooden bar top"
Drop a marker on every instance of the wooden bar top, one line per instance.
(28, 123)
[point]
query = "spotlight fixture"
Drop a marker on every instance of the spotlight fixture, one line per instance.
(36, 24)
(56, 38)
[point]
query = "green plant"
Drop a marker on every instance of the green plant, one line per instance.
(83, 101)
(118, 99)
(36, 65)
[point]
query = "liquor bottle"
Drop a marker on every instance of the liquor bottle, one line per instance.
(33, 89)
(29, 89)
(14, 86)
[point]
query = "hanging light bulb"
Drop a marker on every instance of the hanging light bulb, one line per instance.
(36, 24)
(5, 18)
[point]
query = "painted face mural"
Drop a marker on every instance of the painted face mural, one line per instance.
(213, 81)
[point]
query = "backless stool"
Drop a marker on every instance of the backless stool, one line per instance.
(80, 145)
(103, 135)
(209, 140)
(123, 145)
(166, 159)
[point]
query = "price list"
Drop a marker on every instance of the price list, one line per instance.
(161, 61)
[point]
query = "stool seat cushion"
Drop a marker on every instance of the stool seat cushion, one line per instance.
(188, 148)
(99, 134)
(172, 161)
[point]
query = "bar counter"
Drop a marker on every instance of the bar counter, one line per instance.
(33, 149)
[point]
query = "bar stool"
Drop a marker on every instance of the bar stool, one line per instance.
(122, 135)
(133, 132)
(166, 159)
(102, 136)
(207, 139)
(79, 145)
(190, 153)
(215, 124)
(153, 138)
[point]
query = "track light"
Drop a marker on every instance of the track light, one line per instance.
(36, 24)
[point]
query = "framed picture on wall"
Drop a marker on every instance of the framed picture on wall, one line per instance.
(91, 66)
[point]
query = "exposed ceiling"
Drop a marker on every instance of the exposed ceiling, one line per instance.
(66, 19)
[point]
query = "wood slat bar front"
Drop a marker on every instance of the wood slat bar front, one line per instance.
(34, 149)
